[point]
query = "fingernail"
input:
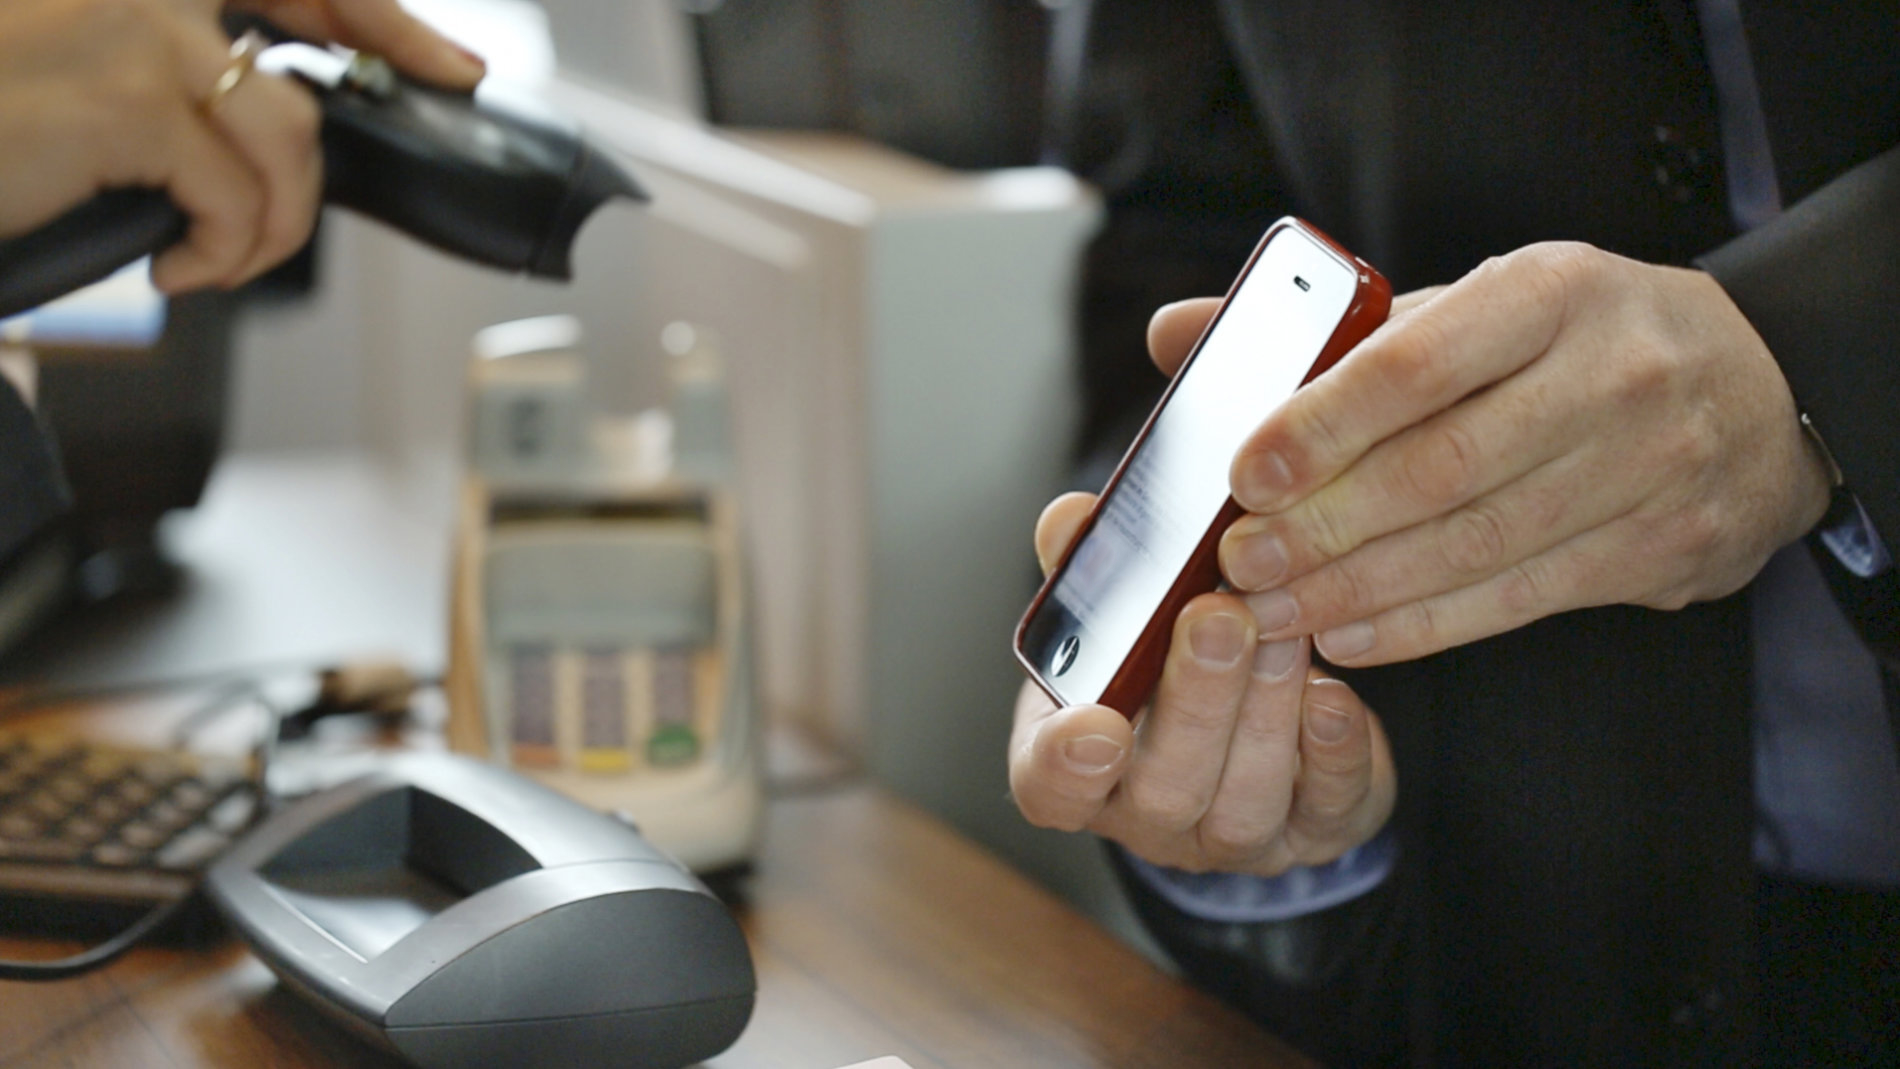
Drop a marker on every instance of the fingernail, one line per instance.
(1346, 642)
(1259, 560)
(1273, 660)
(1262, 479)
(480, 63)
(1217, 641)
(1273, 610)
(1091, 754)
(1327, 724)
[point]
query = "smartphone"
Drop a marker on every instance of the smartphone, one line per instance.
(1098, 630)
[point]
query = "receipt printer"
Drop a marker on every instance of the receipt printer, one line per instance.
(460, 915)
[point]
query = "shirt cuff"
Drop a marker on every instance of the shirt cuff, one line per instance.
(1237, 898)
(1849, 534)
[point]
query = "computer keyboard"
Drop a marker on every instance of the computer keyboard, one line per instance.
(83, 822)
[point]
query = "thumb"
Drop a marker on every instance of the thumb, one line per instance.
(1064, 763)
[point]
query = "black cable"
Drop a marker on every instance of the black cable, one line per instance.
(230, 690)
(221, 701)
(101, 955)
(34, 698)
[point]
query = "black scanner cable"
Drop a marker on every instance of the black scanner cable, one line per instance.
(109, 951)
(101, 955)
(376, 688)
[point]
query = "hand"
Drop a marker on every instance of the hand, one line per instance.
(1561, 428)
(379, 26)
(97, 94)
(1248, 760)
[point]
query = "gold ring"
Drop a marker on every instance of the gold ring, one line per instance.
(244, 52)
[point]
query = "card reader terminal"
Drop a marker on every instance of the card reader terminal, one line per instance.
(460, 914)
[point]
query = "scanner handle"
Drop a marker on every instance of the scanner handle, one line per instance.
(85, 245)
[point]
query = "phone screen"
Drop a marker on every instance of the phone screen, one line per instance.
(1173, 486)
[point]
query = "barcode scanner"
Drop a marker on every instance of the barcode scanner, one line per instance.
(489, 176)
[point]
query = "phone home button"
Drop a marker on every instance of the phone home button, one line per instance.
(1065, 655)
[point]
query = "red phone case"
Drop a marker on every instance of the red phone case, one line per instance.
(1135, 680)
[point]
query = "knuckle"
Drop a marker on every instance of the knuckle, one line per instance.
(1185, 860)
(1196, 718)
(107, 16)
(302, 118)
(140, 37)
(1161, 804)
(1043, 815)
(1672, 599)
(1334, 806)
(1261, 734)
(1319, 849)
(1527, 589)
(1312, 427)
(1701, 445)
(243, 205)
(1644, 373)
(1442, 466)
(1475, 540)
(1343, 768)
(1355, 592)
(288, 228)
(1419, 624)
(1696, 530)
(135, 86)
(101, 122)
(1559, 274)
(1413, 360)
(1566, 265)
(1229, 843)
(1041, 807)
(1320, 524)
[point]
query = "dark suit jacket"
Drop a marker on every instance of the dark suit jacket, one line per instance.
(1575, 797)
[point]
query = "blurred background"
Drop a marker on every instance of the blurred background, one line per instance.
(922, 238)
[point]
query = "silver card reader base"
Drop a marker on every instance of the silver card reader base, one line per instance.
(458, 914)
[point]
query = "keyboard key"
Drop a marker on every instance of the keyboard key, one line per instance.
(82, 831)
(191, 850)
(166, 815)
(46, 807)
(190, 795)
(118, 855)
(143, 836)
(135, 792)
(108, 810)
(233, 813)
(60, 756)
(160, 772)
(72, 789)
(101, 766)
(40, 850)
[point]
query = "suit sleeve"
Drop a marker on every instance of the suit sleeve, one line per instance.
(1821, 285)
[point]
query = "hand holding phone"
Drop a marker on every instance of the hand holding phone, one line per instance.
(1098, 630)
(1252, 764)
